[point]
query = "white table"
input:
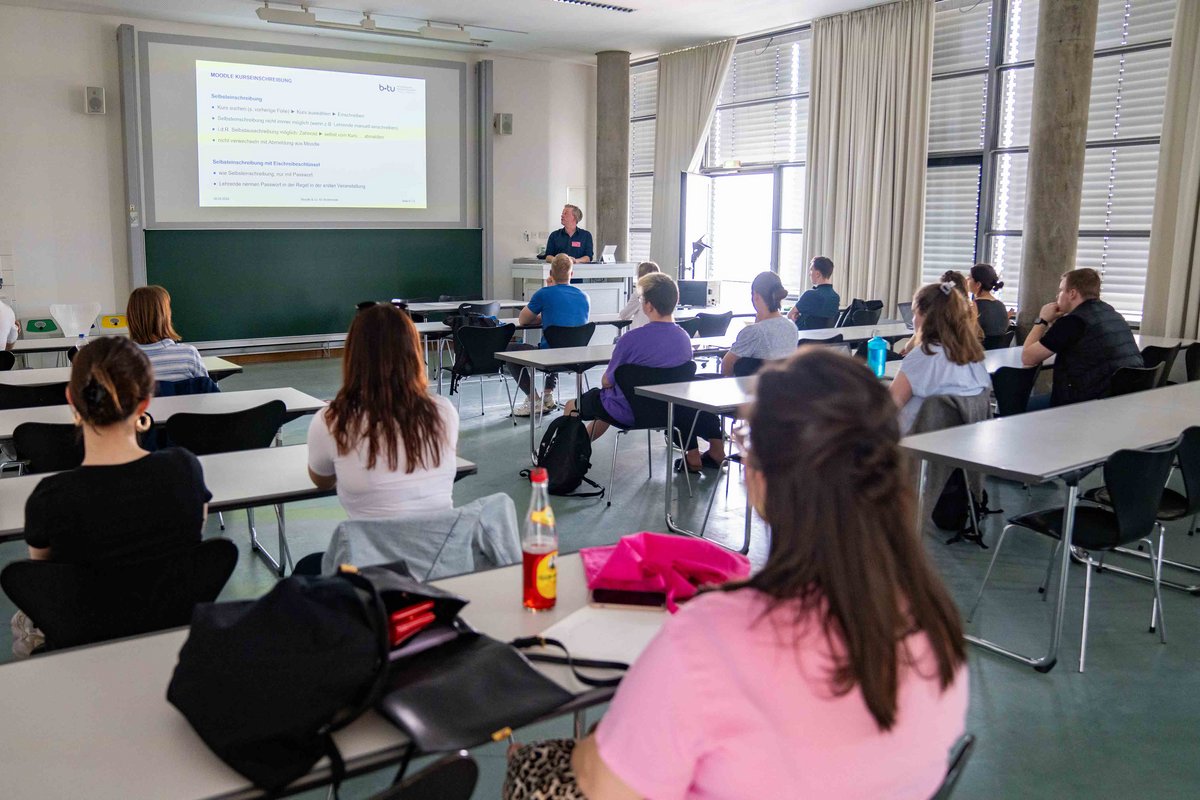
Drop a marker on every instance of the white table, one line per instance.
(1062, 444)
(161, 408)
(218, 368)
(860, 333)
(448, 306)
(94, 721)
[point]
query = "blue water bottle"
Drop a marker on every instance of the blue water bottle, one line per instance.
(877, 355)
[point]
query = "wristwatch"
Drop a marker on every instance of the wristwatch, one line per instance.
(1040, 321)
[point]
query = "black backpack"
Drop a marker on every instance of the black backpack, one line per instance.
(951, 512)
(566, 453)
(462, 363)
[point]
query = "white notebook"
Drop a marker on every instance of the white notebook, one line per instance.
(609, 634)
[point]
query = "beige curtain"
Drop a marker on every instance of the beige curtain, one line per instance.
(1171, 306)
(869, 117)
(688, 84)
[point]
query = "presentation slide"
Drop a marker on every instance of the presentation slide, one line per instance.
(279, 137)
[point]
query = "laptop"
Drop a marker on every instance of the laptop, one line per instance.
(609, 254)
(906, 314)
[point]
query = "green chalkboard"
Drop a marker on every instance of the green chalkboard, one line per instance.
(248, 284)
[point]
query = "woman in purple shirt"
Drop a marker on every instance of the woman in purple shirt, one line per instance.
(658, 343)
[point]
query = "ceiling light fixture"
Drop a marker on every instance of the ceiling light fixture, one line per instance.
(306, 19)
(598, 6)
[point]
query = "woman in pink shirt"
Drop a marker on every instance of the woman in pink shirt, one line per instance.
(837, 671)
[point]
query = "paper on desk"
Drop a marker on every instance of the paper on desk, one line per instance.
(609, 634)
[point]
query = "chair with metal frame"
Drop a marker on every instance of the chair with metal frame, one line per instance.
(1135, 480)
(1191, 360)
(999, 341)
(808, 322)
(51, 394)
(574, 336)
(713, 324)
(1011, 388)
(249, 429)
(691, 326)
(861, 312)
(479, 347)
(648, 414)
(1153, 355)
(47, 447)
(1128, 380)
(960, 754)
(77, 604)
(491, 309)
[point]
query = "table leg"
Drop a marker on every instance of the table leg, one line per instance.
(1046, 662)
(921, 483)
(533, 408)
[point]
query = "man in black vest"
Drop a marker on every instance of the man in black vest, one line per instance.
(1089, 339)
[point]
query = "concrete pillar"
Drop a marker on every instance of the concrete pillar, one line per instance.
(1062, 86)
(612, 152)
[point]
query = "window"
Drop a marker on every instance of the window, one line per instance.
(1120, 166)
(643, 98)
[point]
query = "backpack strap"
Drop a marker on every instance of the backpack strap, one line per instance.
(589, 482)
(572, 662)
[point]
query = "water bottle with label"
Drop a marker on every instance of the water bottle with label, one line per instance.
(539, 547)
(877, 349)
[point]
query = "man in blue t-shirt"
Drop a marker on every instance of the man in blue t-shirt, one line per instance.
(570, 239)
(557, 304)
(817, 307)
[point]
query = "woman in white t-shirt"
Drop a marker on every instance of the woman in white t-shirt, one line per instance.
(633, 309)
(948, 358)
(384, 441)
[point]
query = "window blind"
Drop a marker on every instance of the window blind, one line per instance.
(951, 209)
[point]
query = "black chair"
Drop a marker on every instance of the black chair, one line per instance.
(999, 341)
(960, 754)
(808, 322)
(563, 336)
(713, 324)
(648, 414)
(76, 604)
(1135, 480)
(1153, 355)
(692, 326)
(745, 367)
(451, 777)
(1011, 387)
(251, 429)
(1128, 380)
(71, 353)
(491, 309)
(837, 338)
(1191, 360)
(475, 357)
(47, 447)
(861, 312)
(8, 360)
(50, 394)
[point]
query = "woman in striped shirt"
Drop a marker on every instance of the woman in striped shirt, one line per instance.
(149, 314)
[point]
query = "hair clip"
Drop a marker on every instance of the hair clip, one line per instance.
(947, 288)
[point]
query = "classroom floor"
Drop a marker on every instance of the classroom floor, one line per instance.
(1127, 727)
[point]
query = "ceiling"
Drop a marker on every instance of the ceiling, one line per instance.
(539, 28)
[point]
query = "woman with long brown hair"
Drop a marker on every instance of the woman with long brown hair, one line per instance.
(835, 671)
(384, 441)
(149, 315)
(947, 357)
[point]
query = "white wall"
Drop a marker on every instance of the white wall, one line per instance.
(62, 216)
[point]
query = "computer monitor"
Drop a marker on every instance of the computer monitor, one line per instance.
(693, 293)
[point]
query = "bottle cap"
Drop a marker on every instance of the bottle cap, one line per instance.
(538, 475)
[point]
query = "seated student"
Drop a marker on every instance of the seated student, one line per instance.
(1089, 338)
(558, 303)
(149, 315)
(948, 358)
(658, 343)
(633, 309)
(959, 281)
(817, 306)
(993, 314)
(8, 324)
(772, 336)
(384, 440)
(789, 684)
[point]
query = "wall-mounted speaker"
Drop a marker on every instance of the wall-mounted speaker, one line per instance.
(93, 100)
(503, 124)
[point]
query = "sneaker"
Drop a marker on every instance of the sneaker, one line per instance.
(548, 403)
(526, 408)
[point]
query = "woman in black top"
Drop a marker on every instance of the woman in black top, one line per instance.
(993, 314)
(122, 504)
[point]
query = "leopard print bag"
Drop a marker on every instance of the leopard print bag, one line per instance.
(542, 771)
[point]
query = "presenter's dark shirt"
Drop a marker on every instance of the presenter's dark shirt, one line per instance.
(576, 246)
(819, 301)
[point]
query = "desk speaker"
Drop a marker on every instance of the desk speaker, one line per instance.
(93, 99)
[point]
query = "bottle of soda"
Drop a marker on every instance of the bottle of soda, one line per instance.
(539, 547)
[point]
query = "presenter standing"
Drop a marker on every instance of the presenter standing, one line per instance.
(570, 238)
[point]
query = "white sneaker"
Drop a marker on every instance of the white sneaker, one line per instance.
(548, 403)
(526, 408)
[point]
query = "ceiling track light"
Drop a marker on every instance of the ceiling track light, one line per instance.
(306, 19)
(598, 6)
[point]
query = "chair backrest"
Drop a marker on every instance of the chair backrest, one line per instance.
(1128, 380)
(8, 360)
(1012, 387)
(837, 338)
(51, 394)
(481, 346)
(960, 754)
(999, 341)
(451, 777)
(201, 384)
(1153, 355)
(76, 604)
(1191, 360)
(747, 366)
(491, 309)
(648, 413)
(692, 326)
(48, 447)
(861, 312)
(713, 324)
(808, 322)
(563, 336)
(1189, 464)
(1135, 480)
(225, 433)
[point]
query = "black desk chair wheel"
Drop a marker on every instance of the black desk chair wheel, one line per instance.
(451, 777)
(1135, 480)
(77, 604)
(1128, 380)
